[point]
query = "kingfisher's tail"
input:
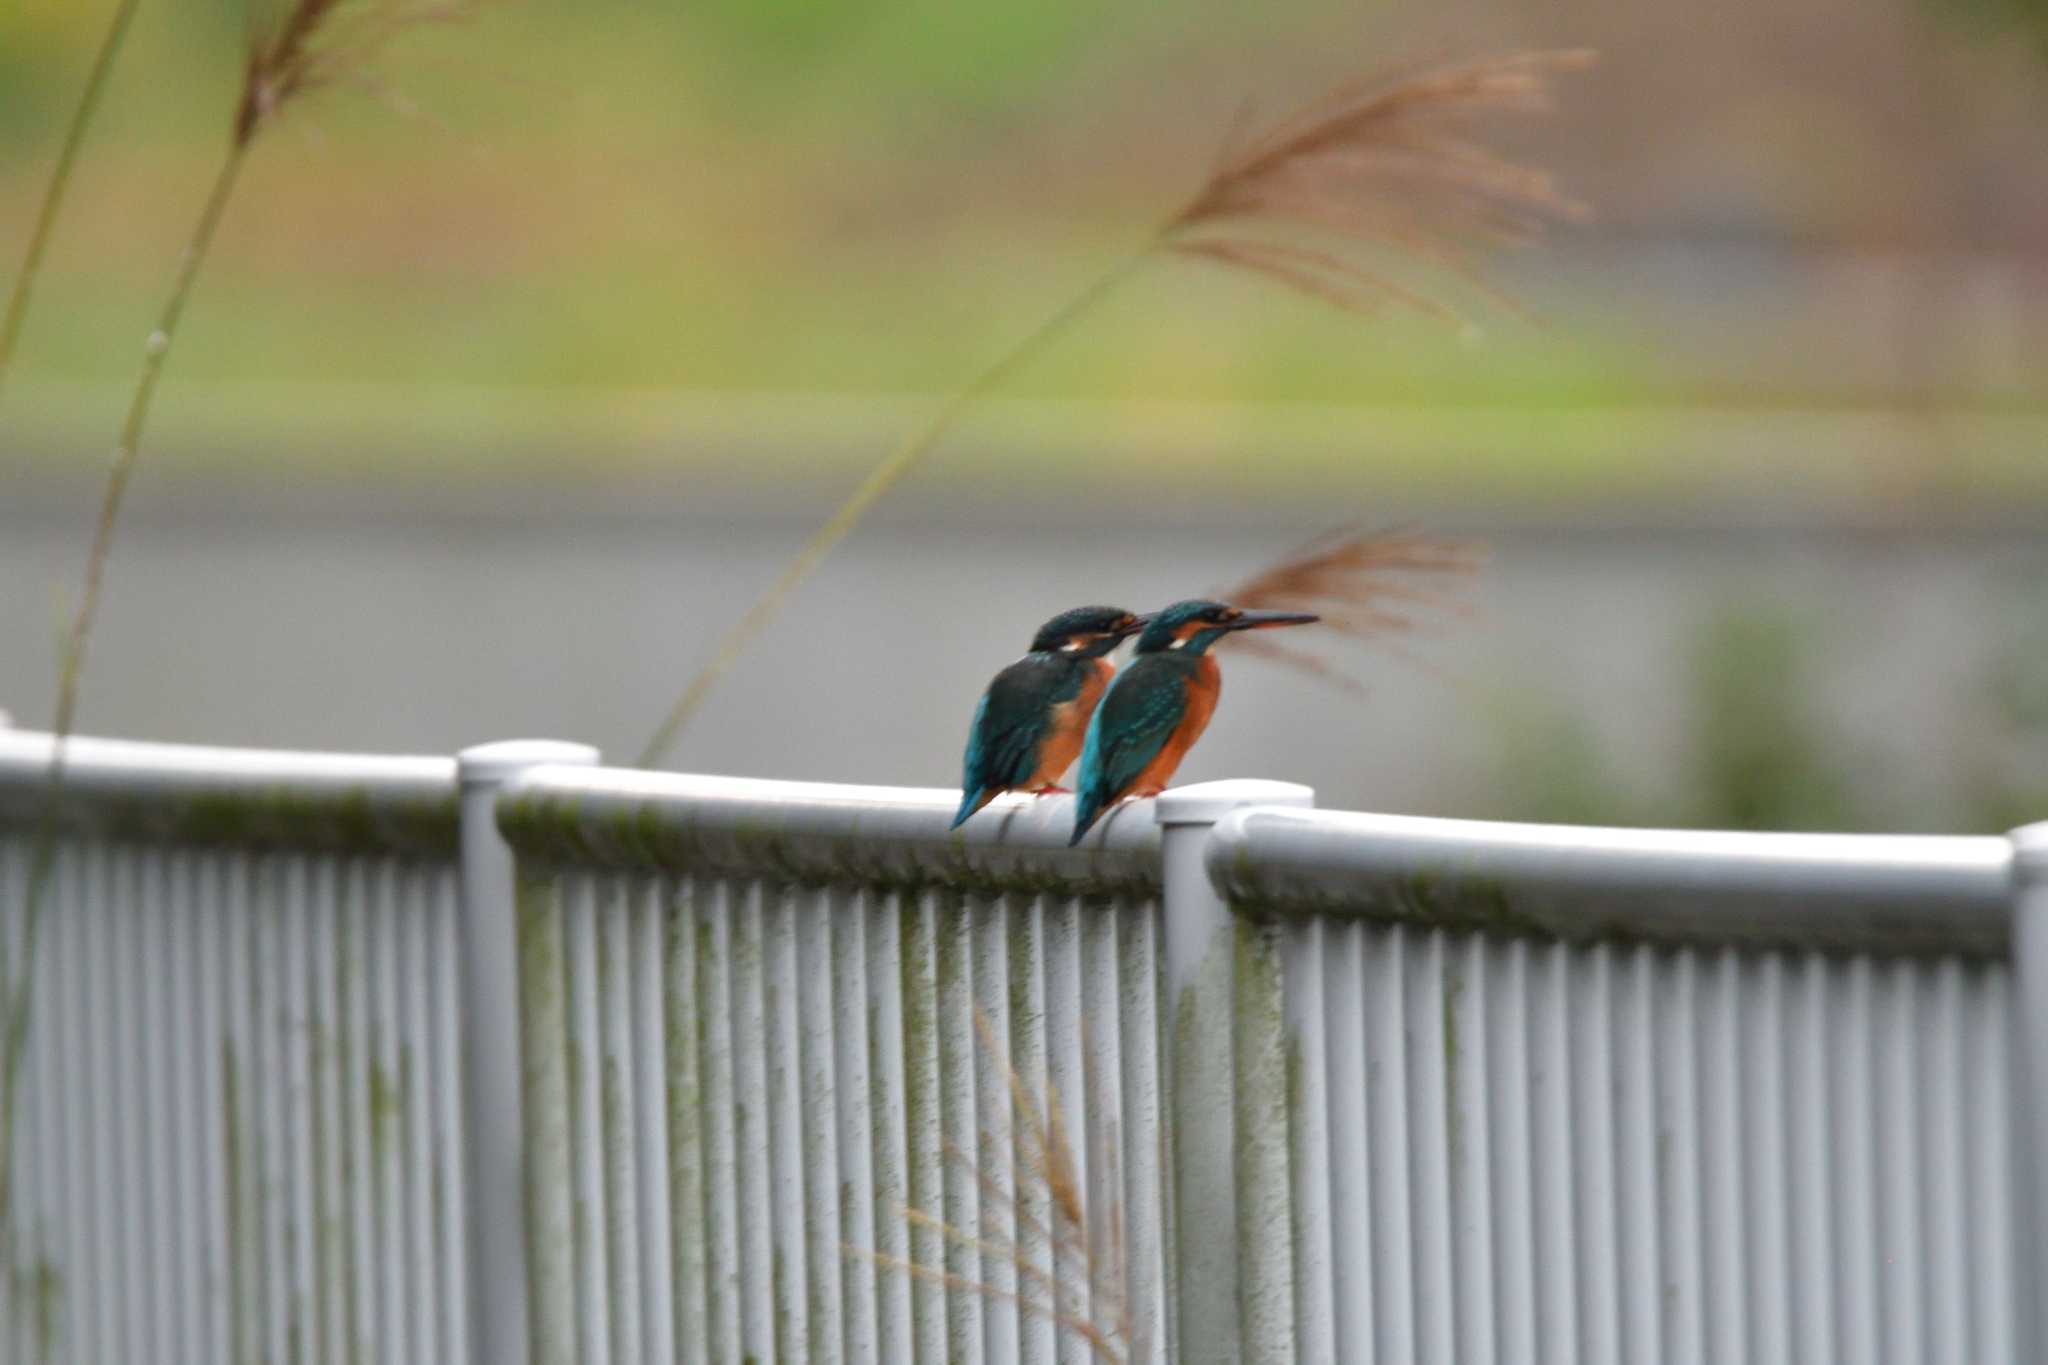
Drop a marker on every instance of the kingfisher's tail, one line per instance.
(1087, 810)
(970, 802)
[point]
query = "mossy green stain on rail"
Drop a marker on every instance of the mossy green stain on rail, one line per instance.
(668, 837)
(346, 820)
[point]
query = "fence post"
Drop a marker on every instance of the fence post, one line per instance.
(494, 1221)
(2030, 1079)
(1226, 1061)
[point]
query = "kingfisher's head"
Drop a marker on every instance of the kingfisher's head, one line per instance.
(1086, 632)
(1192, 626)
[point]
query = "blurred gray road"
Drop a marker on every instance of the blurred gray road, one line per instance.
(426, 622)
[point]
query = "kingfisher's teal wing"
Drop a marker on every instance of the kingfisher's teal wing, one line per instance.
(1010, 724)
(1144, 706)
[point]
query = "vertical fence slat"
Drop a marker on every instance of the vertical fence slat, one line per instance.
(959, 1104)
(1387, 1097)
(1356, 1292)
(421, 1081)
(720, 1119)
(1638, 1146)
(619, 1101)
(818, 950)
(1898, 1204)
(1942, 1114)
(1994, 1142)
(853, 1013)
(1855, 1177)
(1720, 1116)
(690, 926)
(1310, 1100)
(1811, 1195)
(1767, 1196)
(1146, 1142)
(994, 1151)
(456, 1232)
(1427, 1017)
(1103, 1093)
(391, 1099)
(1468, 988)
(1550, 1130)
(888, 1134)
(1590, 1009)
(648, 963)
(545, 1100)
(783, 1112)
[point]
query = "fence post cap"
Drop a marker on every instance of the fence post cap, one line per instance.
(489, 764)
(1204, 803)
(2030, 851)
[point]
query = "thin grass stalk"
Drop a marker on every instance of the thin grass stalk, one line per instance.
(285, 59)
(60, 180)
(879, 481)
(42, 859)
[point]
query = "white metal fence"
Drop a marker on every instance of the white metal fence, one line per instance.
(1639, 1096)
(339, 1059)
(237, 1132)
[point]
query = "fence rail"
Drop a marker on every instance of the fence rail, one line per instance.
(521, 1060)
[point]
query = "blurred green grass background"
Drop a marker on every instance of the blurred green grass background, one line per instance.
(621, 232)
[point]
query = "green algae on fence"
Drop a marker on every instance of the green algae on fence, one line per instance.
(354, 819)
(34, 1288)
(545, 1090)
(1265, 1228)
(671, 835)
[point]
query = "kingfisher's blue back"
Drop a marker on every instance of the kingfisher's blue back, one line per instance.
(1159, 705)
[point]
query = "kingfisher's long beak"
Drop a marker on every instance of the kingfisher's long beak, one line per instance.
(1265, 620)
(1137, 624)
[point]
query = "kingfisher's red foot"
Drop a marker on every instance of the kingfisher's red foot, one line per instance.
(1053, 791)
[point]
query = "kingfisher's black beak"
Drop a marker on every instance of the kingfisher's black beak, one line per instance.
(1263, 620)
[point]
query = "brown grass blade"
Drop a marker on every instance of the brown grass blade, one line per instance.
(1320, 274)
(1096, 1338)
(1070, 1266)
(1005, 1251)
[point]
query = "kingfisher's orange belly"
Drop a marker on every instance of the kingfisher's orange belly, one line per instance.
(1062, 743)
(1203, 689)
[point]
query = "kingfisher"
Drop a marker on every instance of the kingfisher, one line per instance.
(1029, 724)
(1160, 703)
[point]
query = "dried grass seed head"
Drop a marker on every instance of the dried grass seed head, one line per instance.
(1366, 586)
(296, 47)
(1391, 166)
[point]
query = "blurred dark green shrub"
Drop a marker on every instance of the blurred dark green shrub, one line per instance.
(1761, 753)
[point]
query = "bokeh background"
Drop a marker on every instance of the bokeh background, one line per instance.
(519, 371)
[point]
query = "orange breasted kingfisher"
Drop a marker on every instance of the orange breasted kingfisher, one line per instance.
(1029, 724)
(1160, 704)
